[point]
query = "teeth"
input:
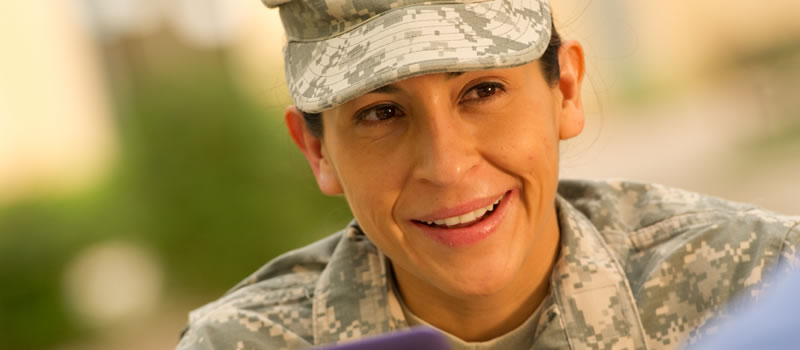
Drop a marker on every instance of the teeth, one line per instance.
(466, 218)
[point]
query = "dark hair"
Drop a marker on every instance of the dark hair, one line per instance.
(548, 63)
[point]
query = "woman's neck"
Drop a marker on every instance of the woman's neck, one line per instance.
(484, 317)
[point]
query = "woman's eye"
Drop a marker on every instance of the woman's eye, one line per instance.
(482, 91)
(379, 113)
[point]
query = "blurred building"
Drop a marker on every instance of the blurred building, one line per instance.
(55, 122)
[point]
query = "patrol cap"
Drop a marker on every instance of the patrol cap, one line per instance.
(338, 50)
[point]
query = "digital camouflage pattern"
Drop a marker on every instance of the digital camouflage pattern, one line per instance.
(641, 266)
(338, 50)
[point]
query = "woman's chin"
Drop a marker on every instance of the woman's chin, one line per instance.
(470, 284)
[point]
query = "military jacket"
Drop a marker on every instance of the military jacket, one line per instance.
(641, 266)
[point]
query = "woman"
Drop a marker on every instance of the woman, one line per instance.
(440, 124)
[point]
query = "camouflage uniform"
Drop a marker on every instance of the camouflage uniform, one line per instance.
(641, 266)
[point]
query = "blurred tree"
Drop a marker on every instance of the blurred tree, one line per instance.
(224, 191)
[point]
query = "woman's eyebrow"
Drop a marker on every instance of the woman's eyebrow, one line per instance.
(452, 75)
(390, 88)
(386, 89)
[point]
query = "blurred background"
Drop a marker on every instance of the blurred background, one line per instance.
(144, 167)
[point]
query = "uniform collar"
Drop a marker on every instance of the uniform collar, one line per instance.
(591, 290)
(352, 299)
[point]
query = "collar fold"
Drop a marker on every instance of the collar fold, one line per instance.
(590, 287)
(351, 298)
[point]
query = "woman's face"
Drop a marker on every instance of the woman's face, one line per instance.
(452, 176)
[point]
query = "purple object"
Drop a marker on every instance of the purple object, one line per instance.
(418, 338)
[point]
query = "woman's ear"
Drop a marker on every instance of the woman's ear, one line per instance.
(314, 151)
(571, 66)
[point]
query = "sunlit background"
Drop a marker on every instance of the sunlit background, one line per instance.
(144, 167)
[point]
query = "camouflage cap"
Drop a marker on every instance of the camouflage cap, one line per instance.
(340, 49)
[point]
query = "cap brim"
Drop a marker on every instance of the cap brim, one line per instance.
(415, 40)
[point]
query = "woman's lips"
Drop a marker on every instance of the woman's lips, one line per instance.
(460, 209)
(472, 231)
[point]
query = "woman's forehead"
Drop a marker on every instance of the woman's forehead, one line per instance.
(393, 87)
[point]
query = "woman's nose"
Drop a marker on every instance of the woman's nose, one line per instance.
(445, 149)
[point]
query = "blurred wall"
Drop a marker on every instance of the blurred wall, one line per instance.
(698, 95)
(55, 128)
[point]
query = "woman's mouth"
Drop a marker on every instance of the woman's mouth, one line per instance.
(465, 219)
(467, 228)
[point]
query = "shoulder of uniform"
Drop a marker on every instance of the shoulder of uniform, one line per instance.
(631, 206)
(635, 216)
(286, 268)
(260, 315)
(271, 306)
(285, 278)
(634, 205)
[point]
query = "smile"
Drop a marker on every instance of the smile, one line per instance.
(464, 225)
(465, 219)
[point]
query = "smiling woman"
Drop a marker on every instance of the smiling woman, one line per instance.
(440, 123)
(442, 148)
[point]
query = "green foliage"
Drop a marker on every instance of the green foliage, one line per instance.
(34, 245)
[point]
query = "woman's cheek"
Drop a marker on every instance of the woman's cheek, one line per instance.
(372, 198)
(521, 153)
